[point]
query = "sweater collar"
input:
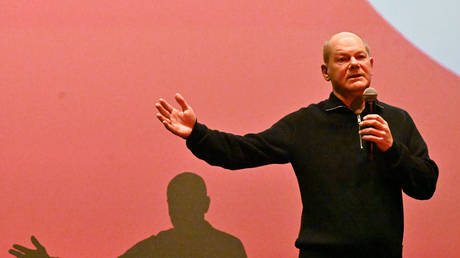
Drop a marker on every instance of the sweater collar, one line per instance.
(334, 103)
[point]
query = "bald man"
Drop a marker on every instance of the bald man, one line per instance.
(352, 205)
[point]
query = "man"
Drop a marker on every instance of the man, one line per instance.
(352, 205)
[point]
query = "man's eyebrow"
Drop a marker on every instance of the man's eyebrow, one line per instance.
(340, 54)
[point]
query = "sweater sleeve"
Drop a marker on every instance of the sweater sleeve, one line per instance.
(417, 172)
(236, 152)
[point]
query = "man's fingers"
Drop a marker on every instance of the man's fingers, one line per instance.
(16, 253)
(167, 123)
(375, 129)
(372, 138)
(163, 111)
(372, 131)
(183, 104)
(170, 127)
(375, 117)
(162, 118)
(166, 109)
(371, 116)
(166, 105)
(373, 123)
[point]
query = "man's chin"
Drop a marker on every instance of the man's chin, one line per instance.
(359, 86)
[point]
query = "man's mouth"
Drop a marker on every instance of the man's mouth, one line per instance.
(355, 76)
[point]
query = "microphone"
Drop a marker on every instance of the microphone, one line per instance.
(370, 96)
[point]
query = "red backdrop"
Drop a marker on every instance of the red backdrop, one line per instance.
(85, 164)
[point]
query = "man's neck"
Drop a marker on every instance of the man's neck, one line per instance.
(353, 102)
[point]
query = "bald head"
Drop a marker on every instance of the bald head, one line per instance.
(335, 37)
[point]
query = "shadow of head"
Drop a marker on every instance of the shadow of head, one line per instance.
(187, 199)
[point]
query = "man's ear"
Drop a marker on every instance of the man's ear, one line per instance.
(324, 71)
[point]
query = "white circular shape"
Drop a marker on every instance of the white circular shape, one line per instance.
(432, 26)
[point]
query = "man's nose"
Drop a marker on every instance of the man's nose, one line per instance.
(353, 62)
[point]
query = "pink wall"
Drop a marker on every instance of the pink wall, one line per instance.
(84, 164)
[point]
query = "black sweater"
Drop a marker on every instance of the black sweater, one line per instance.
(348, 200)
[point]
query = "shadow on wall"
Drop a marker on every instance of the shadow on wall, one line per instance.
(191, 237)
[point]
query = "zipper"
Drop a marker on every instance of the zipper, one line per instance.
(358, 116)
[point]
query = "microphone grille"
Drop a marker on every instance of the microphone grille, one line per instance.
(370, 94)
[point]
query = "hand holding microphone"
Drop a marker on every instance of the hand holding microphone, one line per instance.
(374, 128)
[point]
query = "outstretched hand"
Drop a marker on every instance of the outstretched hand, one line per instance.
(178, 122)
(24, 252)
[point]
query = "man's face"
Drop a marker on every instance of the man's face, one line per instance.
(349, 67)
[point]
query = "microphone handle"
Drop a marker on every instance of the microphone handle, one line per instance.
(371, 144)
